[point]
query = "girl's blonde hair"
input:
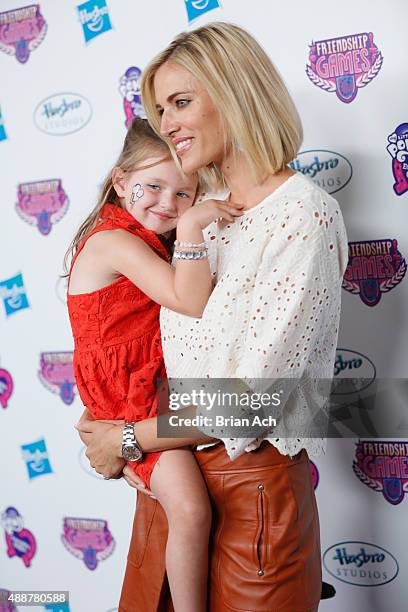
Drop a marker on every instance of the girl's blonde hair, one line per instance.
(141, 142)
(259, 116)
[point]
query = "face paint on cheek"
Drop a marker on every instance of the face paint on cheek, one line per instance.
(137, 193)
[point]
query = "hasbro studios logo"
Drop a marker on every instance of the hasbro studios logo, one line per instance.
(360, 563)
(62, 113)
(328, 169)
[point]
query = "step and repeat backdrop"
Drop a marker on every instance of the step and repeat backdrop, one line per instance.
(70, 77)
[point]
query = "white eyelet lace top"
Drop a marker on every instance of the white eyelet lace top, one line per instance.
(274, 311)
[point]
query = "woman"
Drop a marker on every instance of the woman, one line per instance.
(272, 320)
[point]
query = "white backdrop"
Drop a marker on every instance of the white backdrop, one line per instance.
(63, 123)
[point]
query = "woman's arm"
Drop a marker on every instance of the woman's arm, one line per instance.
(104, 441)
(185, 288)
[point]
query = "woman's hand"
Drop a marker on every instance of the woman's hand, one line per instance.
(104, 445)
(134, 481)
(208, 211)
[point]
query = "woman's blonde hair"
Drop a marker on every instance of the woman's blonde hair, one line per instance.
(141, 142)
(259, 116)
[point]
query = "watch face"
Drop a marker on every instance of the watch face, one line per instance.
(131, 453)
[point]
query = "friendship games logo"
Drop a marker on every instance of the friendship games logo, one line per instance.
(62, 113)
(315, 474)
(344, 64)
(13, 294)
(20, 542)
(374, 267)
(328, 169)
(36, 459)
(129, 88)
(88, 539)
(94, 18)
(6, 387)
(6, 605)
(383, 466)
(398, 149)
(360, 563)
(42, 203)
(57, 374)
(21, 31)
(195, 8)
(3, 135)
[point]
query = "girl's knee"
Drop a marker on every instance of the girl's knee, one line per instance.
(192, 514)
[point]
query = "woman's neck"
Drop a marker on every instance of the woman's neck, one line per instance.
(243, 187)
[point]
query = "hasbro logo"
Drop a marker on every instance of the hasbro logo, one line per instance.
(195, 8)
(328, 169)
(13, 294)
(94, 18)
(3, 134)
(36, 459)
(360, 563)
(62, 113)
(353, 372)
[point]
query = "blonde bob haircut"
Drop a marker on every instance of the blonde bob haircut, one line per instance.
(259, 116)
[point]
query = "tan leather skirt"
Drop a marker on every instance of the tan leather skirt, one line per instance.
(264, 545)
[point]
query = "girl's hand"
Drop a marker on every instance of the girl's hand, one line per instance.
(104, 446)
(206, 212)
(134, 481)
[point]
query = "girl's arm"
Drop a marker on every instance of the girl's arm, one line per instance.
(185, 288)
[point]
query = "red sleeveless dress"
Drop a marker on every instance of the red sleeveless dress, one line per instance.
(118, 353)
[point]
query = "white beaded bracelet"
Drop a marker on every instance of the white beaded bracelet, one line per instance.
(189, 245)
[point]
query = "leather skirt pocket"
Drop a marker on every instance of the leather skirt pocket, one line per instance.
(256, 561)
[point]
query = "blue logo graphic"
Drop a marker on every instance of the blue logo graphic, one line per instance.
(94, 18)
(36, 457)
(195, 8)
(360, 563)
(57, 607)
(13, 294)
(3, 135)
(328, 169)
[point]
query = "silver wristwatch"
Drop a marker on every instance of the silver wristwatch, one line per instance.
(131, 450)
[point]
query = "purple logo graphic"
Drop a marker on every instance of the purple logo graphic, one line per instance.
(398, 149)
(21, 31)
(383, 466)
(20, 542)
(88, 539)
(6, 387)
(344, 64)
(129, 87)
(57, 374)
(5, 604)
(315, 474)
(42, 203)
(374, 267)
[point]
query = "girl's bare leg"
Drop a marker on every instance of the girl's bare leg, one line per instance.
(179, 486)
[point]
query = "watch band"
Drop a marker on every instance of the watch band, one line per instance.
(131, 450)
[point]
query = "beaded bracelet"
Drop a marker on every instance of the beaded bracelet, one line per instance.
(190, 254)
(183, 245)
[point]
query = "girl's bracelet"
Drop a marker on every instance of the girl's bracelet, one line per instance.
(188, 245)
(191, 254)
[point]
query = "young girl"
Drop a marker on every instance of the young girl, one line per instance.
(120, 276)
